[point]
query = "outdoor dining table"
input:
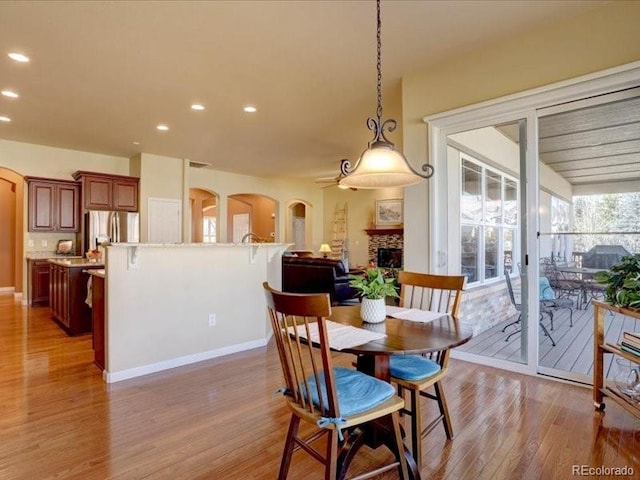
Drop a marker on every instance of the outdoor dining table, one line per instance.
(402, 337)
(584, 276)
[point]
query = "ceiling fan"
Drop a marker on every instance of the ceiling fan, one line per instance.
(335, 180)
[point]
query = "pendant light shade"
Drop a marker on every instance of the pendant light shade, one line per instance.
(381, 165)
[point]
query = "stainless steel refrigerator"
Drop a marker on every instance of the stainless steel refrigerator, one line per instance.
(109, 226)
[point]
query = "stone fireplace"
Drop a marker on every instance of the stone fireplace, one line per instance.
(388, 238)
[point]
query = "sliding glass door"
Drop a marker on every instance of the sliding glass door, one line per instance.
(486, 235)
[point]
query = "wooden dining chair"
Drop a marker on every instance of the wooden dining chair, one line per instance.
(416, 373)
(333, 399)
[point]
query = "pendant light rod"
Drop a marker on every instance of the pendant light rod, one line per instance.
(381, 165)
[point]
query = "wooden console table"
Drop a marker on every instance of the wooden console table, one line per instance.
(600, 388)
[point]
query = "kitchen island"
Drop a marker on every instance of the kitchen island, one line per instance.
(68, 292)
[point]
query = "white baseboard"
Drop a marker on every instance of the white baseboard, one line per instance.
(7, 289)
(112, 377)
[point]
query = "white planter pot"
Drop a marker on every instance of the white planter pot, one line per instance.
(373, 311)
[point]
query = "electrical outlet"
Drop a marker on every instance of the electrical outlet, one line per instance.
(212, 319)
(44, 243)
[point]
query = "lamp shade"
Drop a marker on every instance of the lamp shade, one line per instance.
(325, 248)
(381, 166)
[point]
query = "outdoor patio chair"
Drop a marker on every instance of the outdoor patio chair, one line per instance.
(518, 308)
(549, 302)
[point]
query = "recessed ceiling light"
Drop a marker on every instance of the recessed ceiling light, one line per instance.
(136, 143)
(18, 57)
(164, 128)
(197, 106)
(10, 94)
(250, 109)
(4, 119)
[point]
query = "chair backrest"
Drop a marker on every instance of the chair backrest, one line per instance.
(307, 369)
(438, 293)
(510, 289)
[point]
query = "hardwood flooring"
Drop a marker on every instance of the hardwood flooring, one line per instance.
(220, 420)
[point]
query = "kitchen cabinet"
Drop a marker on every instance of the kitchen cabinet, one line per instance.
(108, 192)
(54, 205)
(67, 294)
(39, 272)
(97, 320)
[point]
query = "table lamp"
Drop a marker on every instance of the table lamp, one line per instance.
(324, 249)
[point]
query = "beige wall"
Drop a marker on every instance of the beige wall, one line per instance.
(160, 177)
(283, 191)
(170, 324)
(559, 50)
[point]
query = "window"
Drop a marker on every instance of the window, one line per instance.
(488, 221)
(209, 229)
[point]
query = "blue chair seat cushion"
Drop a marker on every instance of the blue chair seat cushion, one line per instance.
(357, 392)
(546, 292)
(412, 367)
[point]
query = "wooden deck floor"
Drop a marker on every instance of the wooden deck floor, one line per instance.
(574, 345)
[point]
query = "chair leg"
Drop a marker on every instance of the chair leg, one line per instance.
(551, 319)
(444, 410)
(294, 424)
(416, 427)
(544, 329)
(331, 458)
(571, 317)
(402, 467)
(511, 335)
(512, 323)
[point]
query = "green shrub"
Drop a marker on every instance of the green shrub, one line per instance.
(623, 282)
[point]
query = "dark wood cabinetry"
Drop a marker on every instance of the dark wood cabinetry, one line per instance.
(67, 295)
(97, 317)
(108, 192)
(54, 205)
(39, 271)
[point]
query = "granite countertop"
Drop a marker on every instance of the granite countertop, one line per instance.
(76, 262)
(97, 272)
(47, 255)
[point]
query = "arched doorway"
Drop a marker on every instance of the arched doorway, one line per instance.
(298, 225)
(11, 230)
(250, 213)
(204, 216)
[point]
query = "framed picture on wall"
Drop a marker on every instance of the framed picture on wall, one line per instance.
(389, 212)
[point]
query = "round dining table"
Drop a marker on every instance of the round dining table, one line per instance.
(403, 337)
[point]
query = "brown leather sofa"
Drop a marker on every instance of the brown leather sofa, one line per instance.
(318, 275)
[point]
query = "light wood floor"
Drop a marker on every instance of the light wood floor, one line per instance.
(219, 419)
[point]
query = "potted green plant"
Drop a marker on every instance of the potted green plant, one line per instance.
(623, 282)
(373, 287)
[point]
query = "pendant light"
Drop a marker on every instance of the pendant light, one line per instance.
(381, 165)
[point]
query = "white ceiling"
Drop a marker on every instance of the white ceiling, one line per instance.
(103, 74)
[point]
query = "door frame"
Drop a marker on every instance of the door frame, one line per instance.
(523, 105)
